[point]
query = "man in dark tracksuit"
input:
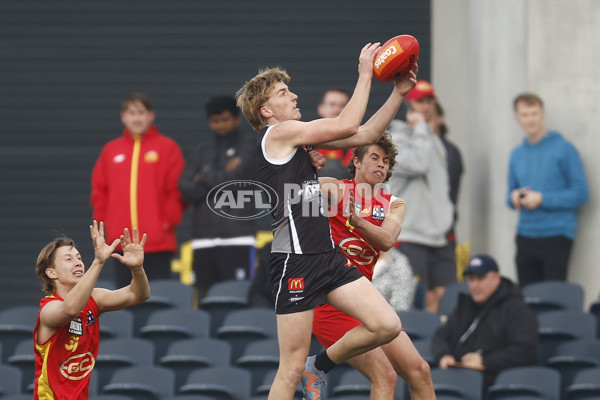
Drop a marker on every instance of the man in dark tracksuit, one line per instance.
(224, 242)
(491, 328)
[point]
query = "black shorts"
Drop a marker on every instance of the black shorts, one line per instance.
(301, 282)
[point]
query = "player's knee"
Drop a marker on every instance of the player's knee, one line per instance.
(291, 375)
(389, 329)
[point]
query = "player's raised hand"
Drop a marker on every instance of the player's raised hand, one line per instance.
(102, 251)
(133, 250)
(366, 58)
(407, 82)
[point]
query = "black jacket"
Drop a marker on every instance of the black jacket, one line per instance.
(208, 159)
(507, 333)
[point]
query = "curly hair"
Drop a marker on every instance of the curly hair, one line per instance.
(256, 92)
(389, 148)
(45, 260)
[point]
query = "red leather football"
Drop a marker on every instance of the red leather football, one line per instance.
(396, 57)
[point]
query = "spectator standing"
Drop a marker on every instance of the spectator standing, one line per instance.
(491, 328)
(546, 185)
(332, 103)
(224, 248)
(421, 179)
(134, 184)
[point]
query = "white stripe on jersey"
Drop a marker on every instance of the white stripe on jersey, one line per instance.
(280, 280)
(296, 248)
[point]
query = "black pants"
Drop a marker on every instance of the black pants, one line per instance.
(542, 259)
(156, 265)
(215, 264)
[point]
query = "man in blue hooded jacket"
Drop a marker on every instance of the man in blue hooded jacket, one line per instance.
(546, 184)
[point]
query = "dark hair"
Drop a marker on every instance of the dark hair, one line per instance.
(389, 148)
(440, 111)
(45, 260)
(219, 104)
(135, 98)
(528, 98)
(343, 91)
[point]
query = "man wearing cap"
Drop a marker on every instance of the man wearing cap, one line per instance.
(422, 181)
(491, 328)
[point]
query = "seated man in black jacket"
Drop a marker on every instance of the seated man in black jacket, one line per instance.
(491, 328)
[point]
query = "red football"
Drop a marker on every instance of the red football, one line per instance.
(396, 57)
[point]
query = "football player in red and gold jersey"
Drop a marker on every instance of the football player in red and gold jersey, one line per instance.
(67, 332)
(365, 220)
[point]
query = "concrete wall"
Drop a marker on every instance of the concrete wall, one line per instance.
(486, 52)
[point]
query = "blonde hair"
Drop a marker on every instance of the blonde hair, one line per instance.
(256, 92)
(531, 99)
(45, 260)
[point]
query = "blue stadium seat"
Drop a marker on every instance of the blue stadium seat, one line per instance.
(16, 324)
(226, 383)
(142, 383)
(184, 356)
(526, 381)
(167, 326)
(553, 295)
(223, 297)
(241, 327)
(462, 383)
(555, 327)
(586, 385)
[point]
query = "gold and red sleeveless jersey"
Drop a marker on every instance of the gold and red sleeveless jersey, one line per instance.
(348, 240)
(63, 363)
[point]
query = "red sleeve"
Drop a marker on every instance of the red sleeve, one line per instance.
(98, 198)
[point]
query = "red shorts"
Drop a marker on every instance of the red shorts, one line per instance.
(330, 324)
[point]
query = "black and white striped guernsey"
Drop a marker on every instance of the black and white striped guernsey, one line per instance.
(299, 223)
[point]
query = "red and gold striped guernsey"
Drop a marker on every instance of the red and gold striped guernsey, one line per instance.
(64, 363)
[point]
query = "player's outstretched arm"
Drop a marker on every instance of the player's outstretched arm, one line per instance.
(296, 133)
(372, 130)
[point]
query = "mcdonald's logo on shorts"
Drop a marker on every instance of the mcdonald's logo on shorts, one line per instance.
(296, 284)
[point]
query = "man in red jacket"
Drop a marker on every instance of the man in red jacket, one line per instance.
(142, 166)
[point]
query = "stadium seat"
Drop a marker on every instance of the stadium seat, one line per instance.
(556, 327)
(461, 383)
(116, 324)
(142, 383)
(260, 357)
(586, 385)
(167, 326)
(419, 324)
(223, 297)
(183, 356)
(10, 380)
(16, 323)
(227, 383)
(553, 295)
(450, 297)
(241, 327)
(165, 293)
(116, 354)
(572, 357)
(23, 358)
(351, 382)
(526, 381)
